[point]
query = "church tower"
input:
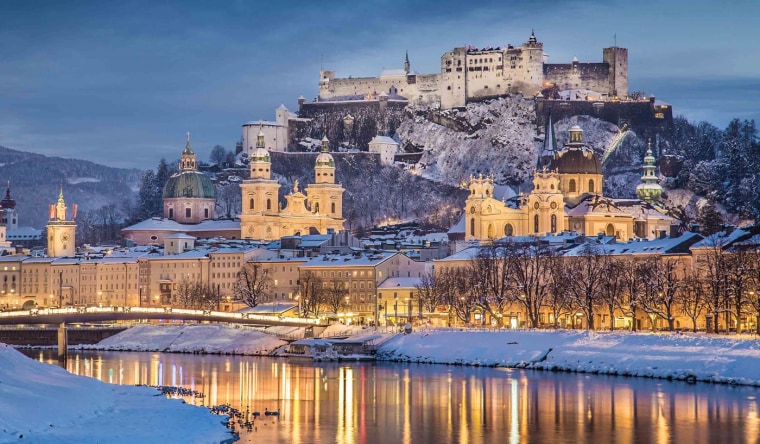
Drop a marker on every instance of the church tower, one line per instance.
(325, 196)
(9, 211)
(649, 190)
(60, 230)
(546, 206)
(259, 218)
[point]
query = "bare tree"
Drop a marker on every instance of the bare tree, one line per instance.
(585, 278)
(430, 292)
(712, 267)
(335, 296)
(312, 293)
(189, 294)
(754, 295)
(558, 300)
(489, 277)
(632, 276)
(663, 284)
(738, 281)
(528, 277)
(253, 283)
(218, 155)
(692, 299)
(611, 291)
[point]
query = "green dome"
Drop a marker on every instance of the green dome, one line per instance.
(189, 184)
(325, 159)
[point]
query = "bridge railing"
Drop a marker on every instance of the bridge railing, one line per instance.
(217, 315)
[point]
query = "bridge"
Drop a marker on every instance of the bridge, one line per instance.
(104, 314)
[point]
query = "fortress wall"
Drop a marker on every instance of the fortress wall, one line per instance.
(371, 117)
(592, 76)
(639, 114)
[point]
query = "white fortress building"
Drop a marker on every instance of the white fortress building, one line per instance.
(471, 74)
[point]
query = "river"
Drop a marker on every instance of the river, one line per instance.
(368, 402)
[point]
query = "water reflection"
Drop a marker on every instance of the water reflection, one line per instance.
(361, 403)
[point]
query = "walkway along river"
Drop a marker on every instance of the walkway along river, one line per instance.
(368, 402)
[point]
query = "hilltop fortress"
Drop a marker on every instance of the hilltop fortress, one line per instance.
(471, 74)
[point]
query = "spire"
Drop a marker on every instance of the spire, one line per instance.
(406, 62)
(532, 38)
(8, 202)
(325, 144)
(188, 150)
(60, 195)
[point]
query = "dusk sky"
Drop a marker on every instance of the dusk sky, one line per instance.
(120, 83)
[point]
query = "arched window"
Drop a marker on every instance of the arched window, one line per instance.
(269, 204)
(508, 230)
(250, 204)
(554, 223)
(316, 207)
(535, 223)
(472, 227)
(332, 207)
(591, 185)
(490, 231)
(610, 230)
(571, 186)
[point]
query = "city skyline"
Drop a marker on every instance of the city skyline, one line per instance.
(93, 81)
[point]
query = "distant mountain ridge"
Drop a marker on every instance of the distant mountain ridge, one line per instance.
(36, 181)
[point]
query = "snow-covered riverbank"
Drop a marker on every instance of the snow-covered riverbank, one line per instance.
(41, 403)
(700, 357)
(678, 356)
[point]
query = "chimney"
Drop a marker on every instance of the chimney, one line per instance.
(662, 234)
(674, 231)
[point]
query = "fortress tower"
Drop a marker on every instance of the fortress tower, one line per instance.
(60, 230)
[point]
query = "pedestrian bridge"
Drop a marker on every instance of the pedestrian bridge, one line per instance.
(105, 314)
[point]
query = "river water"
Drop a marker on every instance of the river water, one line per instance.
(368, 402)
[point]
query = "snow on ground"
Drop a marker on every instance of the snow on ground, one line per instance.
(190, 338)
(41, 403)
(679, 356)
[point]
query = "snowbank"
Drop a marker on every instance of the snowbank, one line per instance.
(677, 356)
(41, 403)
(204, 338)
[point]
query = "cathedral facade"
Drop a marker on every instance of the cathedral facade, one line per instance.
(318, 209)
(567, 195)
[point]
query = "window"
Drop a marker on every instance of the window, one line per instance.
(316, 207)
(508, 230)
(332, 207)
(171, 213)
(250, 204)
(610, 230)
(490, 231)
(472, 227)
(188, 212)
(591, 185)
(571, 186)
(205, 213)
(269, 204)
(535, 223)
(554, 223)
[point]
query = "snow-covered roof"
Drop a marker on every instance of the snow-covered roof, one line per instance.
(667, 245)
(179, 236)
(722, 239)
(467, 254)
(400, 282)
(458, 227)
(383, 139)
(269, 308)
(261, 123)
(161, 224)
(22, 233)
(348, 260)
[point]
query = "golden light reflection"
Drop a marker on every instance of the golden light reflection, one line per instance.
(371, 403)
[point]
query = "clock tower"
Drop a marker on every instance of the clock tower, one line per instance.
(60, 231)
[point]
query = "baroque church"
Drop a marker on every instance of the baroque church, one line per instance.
(567, 195)
(318, 209)
(189, 201)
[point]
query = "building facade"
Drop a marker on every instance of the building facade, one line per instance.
(317, 210)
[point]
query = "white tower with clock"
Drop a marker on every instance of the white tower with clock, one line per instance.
(60, 231)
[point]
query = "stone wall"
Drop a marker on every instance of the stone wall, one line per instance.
(371, 117)
(637, 114)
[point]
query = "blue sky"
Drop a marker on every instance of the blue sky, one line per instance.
(120, 83)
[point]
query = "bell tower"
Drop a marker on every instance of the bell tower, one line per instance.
(61, 231)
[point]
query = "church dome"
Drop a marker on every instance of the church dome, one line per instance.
(191, 184)
(576, 161)
(325, 159)
(260, 155)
